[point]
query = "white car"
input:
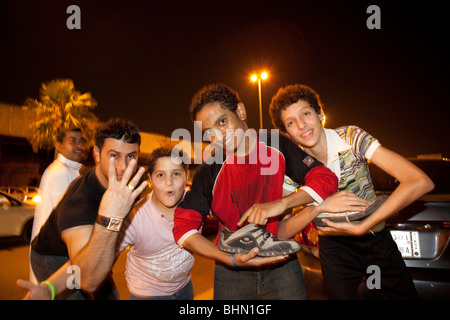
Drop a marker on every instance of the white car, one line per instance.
(16, 217)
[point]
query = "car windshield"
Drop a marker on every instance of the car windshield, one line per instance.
(437, 170)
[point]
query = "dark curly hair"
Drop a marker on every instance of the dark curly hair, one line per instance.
(120, 129)
(289, 95)
(217, 92)
(166, 152)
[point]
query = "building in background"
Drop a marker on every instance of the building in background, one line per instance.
(20, 166)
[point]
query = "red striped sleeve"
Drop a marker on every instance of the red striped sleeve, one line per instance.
(322, 180)
(186, 223)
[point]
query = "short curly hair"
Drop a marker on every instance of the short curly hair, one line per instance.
(289, 95)
(217, 92)
(120, 129)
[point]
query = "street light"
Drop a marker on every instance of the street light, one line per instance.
(254, 78)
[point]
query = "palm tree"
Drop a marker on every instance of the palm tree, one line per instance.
(59, 108)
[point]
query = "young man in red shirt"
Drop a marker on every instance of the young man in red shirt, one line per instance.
(247, 179)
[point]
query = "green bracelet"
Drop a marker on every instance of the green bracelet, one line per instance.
(51, 287)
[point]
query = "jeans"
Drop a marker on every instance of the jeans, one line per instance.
(45, 265)
(186, 293)
(280, 282)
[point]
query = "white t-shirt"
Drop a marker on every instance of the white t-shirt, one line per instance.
(155, 266)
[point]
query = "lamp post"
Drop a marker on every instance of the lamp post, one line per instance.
(254, 78)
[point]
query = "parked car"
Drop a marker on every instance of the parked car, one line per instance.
(28, 194)
(421, 231)
(16, 217)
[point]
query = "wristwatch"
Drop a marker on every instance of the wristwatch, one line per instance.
(112, 224)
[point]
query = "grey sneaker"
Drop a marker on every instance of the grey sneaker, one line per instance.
(251, 236)
(350, 216)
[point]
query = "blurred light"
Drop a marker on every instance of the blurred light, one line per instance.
(324, 120)
(37, 198)
(313, 235)
(254, 78)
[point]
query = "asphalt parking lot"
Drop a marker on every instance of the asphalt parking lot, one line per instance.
(14, 264)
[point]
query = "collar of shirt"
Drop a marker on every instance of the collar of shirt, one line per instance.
(335, 145)
(70, 163)
(156, 210)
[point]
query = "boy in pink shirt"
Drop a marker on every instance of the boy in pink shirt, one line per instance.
(156, 267)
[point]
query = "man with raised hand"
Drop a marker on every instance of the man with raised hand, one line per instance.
(82, 230)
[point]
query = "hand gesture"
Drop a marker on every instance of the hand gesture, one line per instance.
(120, 195)
(259, 213)
(35, 292)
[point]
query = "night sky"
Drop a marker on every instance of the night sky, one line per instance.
(144, 60)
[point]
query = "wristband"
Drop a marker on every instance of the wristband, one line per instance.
(234, 262)
(52, 287)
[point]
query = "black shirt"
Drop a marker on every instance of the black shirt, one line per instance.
(79, 206)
